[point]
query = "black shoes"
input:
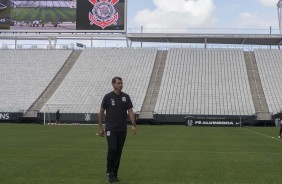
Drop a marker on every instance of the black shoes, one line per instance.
(112, 178)
(116, 179)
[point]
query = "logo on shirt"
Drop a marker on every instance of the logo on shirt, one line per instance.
(113, 102)
(123, 99)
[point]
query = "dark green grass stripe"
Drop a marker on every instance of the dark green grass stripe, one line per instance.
(72, 14)
(68, 14)
(48, 17)
(34, 14)
(20, 14)
(43, 14)
(53, 15)
(25, 14)
(74, 150)
(38, 14)
(62, 16)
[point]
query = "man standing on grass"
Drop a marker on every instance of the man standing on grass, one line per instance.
(58, 115)
(280, 121)
(116, 104)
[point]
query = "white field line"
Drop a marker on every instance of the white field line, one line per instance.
(264, 135)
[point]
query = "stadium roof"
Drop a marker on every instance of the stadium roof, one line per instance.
(244, 39)
(247, 39)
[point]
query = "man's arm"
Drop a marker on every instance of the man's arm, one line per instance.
(100, 121)
(132, 119)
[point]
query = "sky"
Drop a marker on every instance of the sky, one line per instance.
(196, 16)
(215, 15)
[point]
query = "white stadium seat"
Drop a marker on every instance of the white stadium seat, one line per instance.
(25, 74)
(90, 78)
(269, 66)
(205, 81)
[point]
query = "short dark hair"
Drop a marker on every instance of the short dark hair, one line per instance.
(116, 78)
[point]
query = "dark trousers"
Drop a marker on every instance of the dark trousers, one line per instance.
(115, 144)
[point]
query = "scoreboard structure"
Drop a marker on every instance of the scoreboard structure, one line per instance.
(64, 15)
(101, 15)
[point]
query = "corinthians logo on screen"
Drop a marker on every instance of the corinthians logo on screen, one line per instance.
(103, 13)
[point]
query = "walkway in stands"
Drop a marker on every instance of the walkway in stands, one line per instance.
(148, 107)
(256, 87)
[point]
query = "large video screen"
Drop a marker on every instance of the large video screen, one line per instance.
(103, 14)
(64, 15)
(4, 14)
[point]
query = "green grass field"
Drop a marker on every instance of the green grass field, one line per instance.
(44, 14)
(37, 154)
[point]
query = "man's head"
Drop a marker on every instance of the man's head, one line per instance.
(117, 83)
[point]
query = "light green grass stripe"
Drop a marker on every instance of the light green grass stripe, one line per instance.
(150, 151)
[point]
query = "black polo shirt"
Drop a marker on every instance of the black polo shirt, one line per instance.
(116, 111)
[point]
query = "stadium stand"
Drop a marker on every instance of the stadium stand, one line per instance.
(90, 78)
(25, 74)
(269, 66)
(185, 81)
(205, 81)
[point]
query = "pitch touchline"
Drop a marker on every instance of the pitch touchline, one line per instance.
(252, 131)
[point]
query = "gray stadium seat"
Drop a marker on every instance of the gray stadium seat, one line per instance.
(26, 74)
(205, 81)
(90, 78)
(269, 66)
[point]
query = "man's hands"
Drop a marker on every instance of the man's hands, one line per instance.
(100, 121)
(101, 131)
(133, 129)
(132, 120)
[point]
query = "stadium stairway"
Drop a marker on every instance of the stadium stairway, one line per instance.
(257, 92)
(54, 84)
(148, 107)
